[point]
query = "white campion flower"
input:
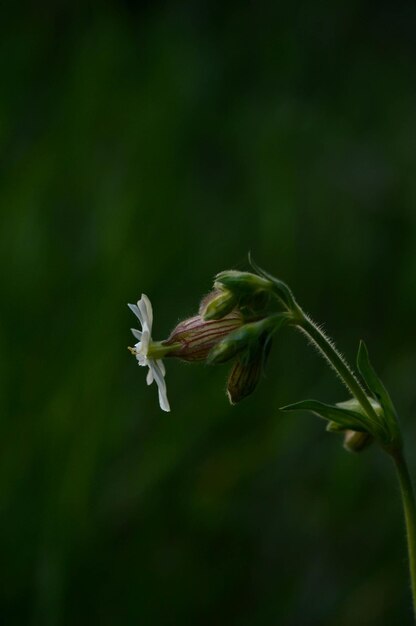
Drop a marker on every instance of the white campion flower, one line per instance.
(144, 312)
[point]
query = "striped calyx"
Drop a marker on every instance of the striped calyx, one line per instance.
(245, 374)
(194, 338)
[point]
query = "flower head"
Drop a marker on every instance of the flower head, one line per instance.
(142, 349)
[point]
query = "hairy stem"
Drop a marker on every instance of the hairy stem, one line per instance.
(328, 350)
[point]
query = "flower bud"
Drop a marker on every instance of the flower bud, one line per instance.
(229, 347)
(242, 283)
(244, 376)
(217, 304)
(255, 305)
(194, 338)
(249, 337)
(245, 337)
(355, 441)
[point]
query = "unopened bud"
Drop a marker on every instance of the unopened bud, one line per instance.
(250, 336)
(255, 305)
(242, 283)
(244, 376)
(356, 441)
(217, 304)
(243, 338)
(194, 338)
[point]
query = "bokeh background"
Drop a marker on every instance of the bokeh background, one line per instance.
(145, 147)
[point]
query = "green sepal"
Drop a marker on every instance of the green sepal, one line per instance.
(279, 287)
(218, 306)
(343, 418)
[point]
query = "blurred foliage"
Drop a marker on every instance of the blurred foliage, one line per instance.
(145, 147)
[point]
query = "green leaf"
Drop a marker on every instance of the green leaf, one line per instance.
(345, 419)
(373, 382)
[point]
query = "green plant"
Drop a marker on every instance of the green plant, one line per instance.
(236, 322)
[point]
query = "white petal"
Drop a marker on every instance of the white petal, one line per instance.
(142, 360)
(136, 333)
(144, 342)
(136, 311)
(149, 377)
(147, 325)
(162, 367)
(160, 381)
(163, 401)
(149, 309)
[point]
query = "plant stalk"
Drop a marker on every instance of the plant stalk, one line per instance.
(324, 345)
(327, 349)
(409, 509)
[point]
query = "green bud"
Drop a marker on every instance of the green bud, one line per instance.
(242, 283)
(256, 304)
(249, 337)
(356, 442)
(237, 341)
(217, 304)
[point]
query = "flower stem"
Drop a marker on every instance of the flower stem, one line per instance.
(328, 350)
(409, 508)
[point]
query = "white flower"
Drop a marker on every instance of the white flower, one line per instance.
(143, 311)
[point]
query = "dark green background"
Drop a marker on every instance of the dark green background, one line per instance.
(145, 148)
